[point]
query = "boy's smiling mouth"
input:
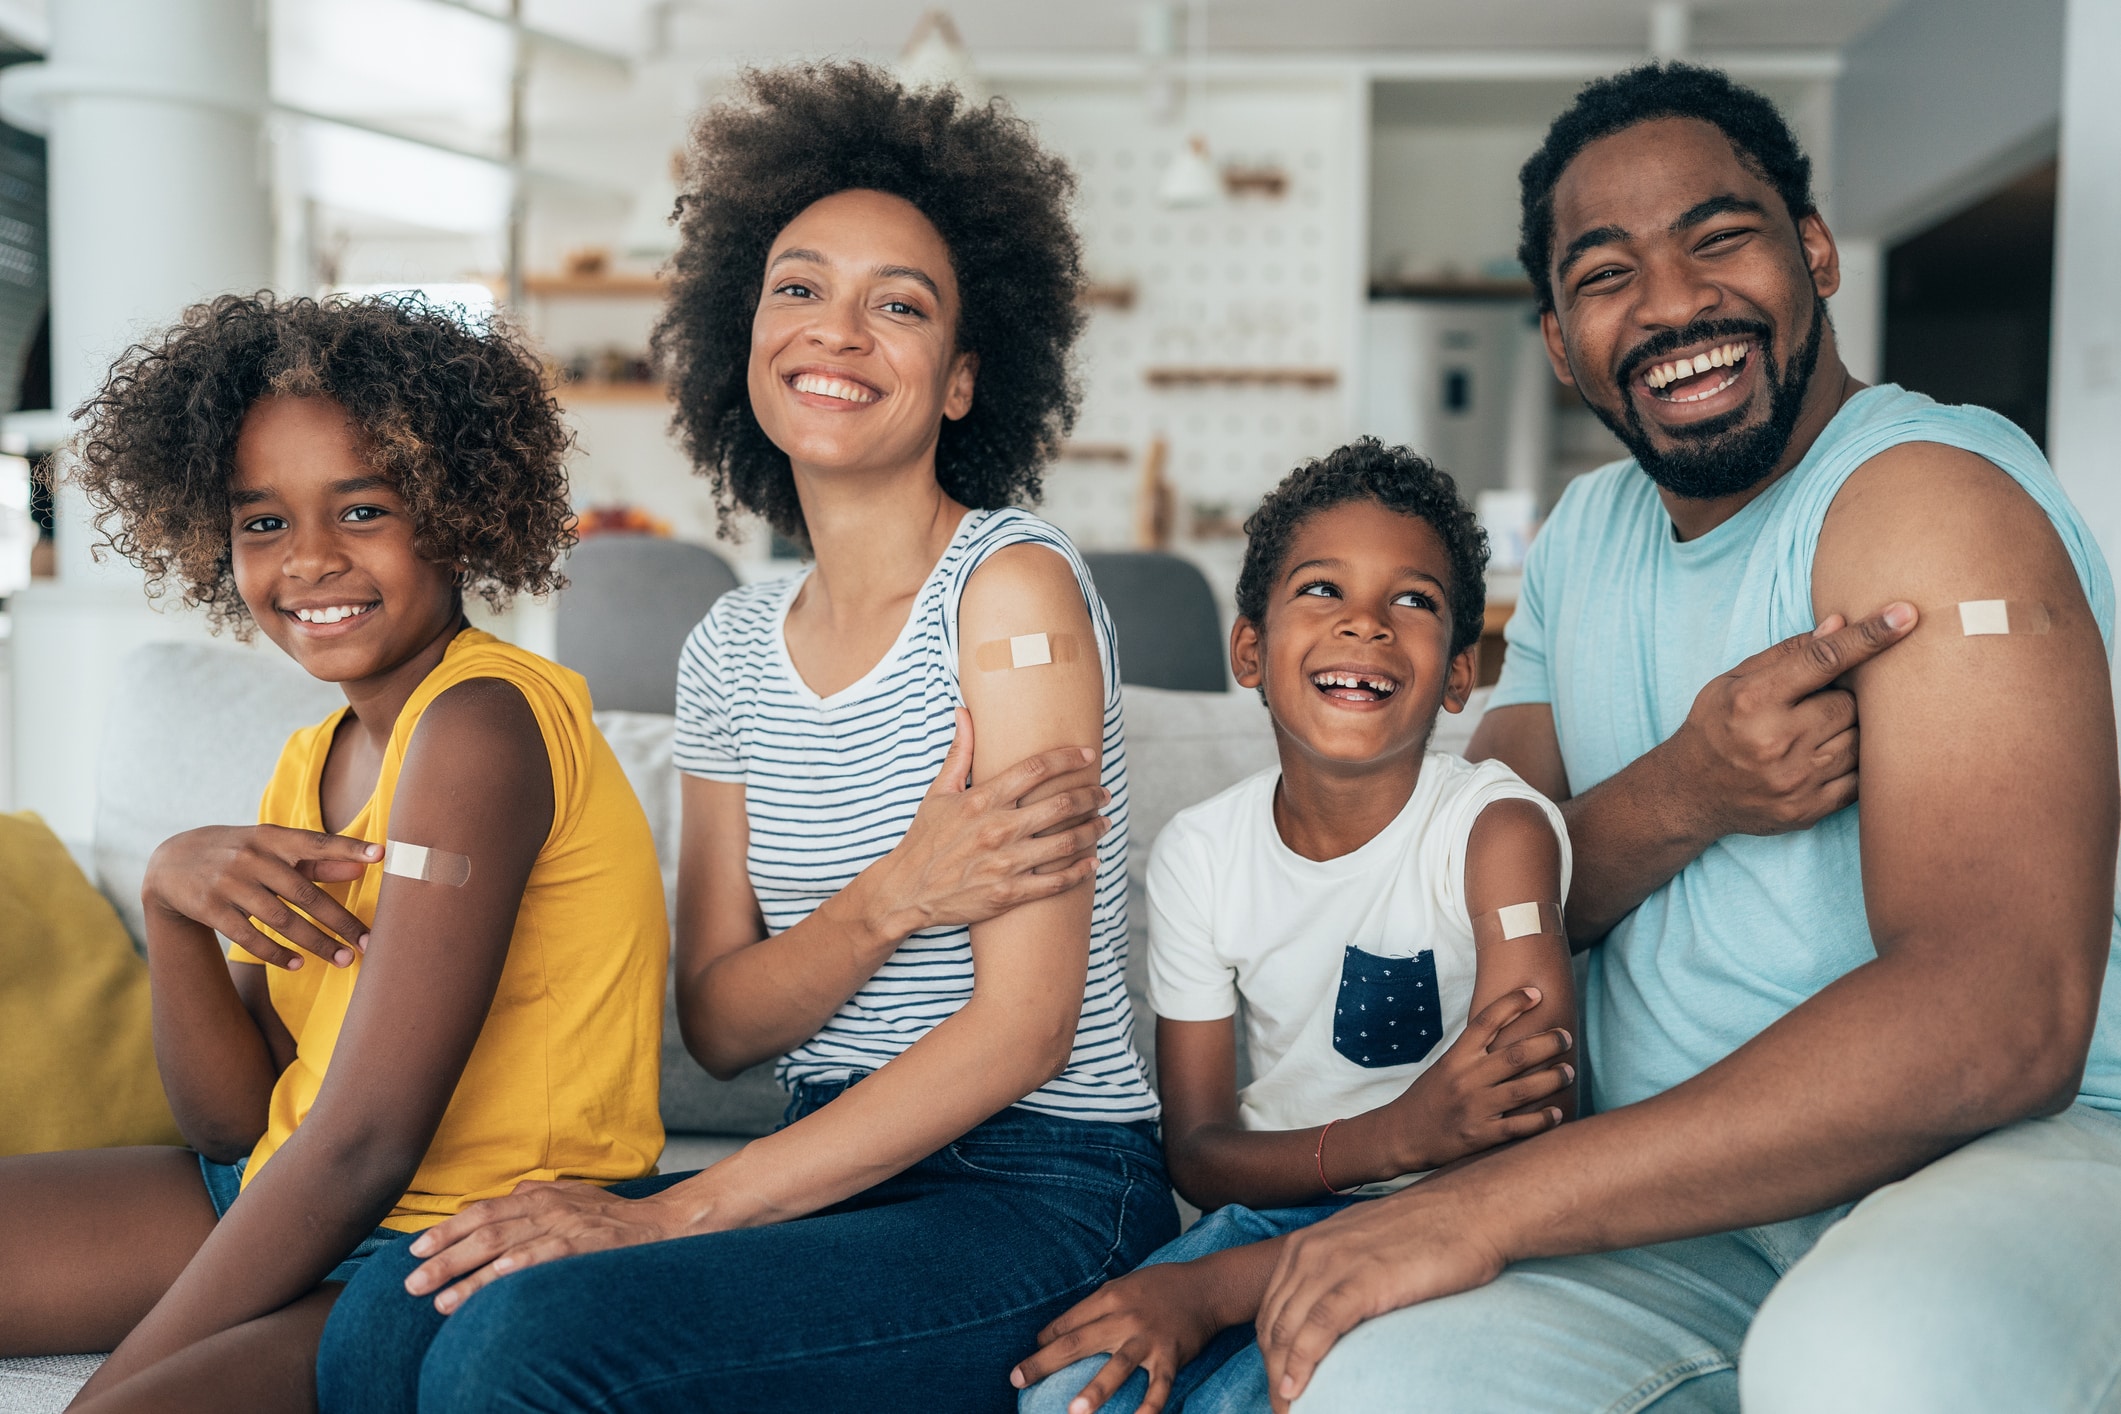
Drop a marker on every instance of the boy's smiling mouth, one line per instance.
(1351, 686)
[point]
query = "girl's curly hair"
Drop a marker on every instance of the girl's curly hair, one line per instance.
(461, 424)
(801, 133)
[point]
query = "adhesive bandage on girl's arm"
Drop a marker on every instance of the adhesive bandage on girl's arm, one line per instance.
(1026, 650)
(1982, 617)
(1518, 920)
(417, 861)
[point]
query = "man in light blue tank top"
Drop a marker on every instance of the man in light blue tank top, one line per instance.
(1796, 1003)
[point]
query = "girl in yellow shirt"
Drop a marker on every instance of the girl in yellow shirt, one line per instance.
(392, 1040)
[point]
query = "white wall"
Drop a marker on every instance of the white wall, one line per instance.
(1941, 103)
(2084, 397)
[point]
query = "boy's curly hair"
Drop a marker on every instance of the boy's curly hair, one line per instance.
(1398, 480)
(1748, 118)
(802, 133)
(461, 424)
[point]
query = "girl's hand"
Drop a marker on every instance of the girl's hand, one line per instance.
(975, 852)
(1154, 1319)
(224, 876)
(536, 1223)
(1468, 1101)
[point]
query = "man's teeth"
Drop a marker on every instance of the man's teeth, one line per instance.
(1722, 356)
(1383, 687)
(833, 388)
(333, 614)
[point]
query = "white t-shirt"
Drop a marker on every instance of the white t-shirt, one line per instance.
(1356, 972)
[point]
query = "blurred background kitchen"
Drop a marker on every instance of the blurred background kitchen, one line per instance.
(1299, 220)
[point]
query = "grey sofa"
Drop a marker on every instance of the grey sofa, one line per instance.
(195, 729)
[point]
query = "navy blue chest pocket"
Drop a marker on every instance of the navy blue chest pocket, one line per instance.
(1387, 1012)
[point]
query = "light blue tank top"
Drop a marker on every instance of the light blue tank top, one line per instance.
(1619, 626)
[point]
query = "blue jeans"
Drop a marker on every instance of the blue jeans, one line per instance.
(1230, 1376)
(1985, 1281)
(224, 1183)
(921, 1293)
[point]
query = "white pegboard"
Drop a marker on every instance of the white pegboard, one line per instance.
(1248, 282)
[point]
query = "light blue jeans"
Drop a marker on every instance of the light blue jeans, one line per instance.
(1229, 1377)
(1989, 1280)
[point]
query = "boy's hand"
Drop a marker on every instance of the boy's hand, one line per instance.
(1154, 1319)
(223, 876)
(1466, 1102)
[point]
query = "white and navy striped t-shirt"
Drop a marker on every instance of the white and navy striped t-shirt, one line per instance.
(831, 785)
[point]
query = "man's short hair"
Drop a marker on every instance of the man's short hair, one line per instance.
(1755, 127)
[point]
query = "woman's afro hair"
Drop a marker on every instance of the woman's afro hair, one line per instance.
(802, 133)
(1392, 477)
(1757, 133)
(460, 423)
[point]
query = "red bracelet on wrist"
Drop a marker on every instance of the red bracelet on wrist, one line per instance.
(1319, 1157)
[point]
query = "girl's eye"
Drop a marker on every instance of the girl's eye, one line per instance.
(792, 288)
(264, 524)
(361, 515)
(899, 306)
(1415, 599)
(1320, 589)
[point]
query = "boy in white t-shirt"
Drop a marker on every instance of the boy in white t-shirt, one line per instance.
(1363, 900)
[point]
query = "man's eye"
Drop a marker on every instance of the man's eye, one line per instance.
(1599, 276)
(364, 514)
(264, 524)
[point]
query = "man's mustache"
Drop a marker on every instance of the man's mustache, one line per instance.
(1699, 332)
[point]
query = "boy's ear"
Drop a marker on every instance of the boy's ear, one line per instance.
(1246, 661)
(1459, 682)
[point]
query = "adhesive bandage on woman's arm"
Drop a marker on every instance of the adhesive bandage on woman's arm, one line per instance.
(1519, 920)
(1026, 650)
(1981, 617)
(417, 861)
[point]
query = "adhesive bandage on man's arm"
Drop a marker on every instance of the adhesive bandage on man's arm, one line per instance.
(417, 861)
(1518, 920)
(1982, 617)
(1026, 650)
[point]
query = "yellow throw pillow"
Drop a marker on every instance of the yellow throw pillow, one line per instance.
(77, 1051)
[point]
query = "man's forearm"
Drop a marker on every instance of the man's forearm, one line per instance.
(1858, 1087)
(1632, 833)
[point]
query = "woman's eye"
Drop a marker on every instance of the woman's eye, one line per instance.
(363, 514)
(264, 524)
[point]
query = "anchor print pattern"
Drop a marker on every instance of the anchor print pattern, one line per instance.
(1386, 1013)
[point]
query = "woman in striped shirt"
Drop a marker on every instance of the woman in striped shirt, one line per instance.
(869, 332)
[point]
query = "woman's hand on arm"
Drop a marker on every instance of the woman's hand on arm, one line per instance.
(476, 782)
(971, 853)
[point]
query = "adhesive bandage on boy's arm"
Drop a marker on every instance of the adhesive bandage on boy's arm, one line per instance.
(1980, 618)
(417, 861)
(1518, 920)
(1026, 650)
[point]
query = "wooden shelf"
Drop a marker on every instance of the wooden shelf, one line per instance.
(592, 391)
(1179, 377)
(1096, 452)
(617, 286)
(1107, 296)
(1451, 289)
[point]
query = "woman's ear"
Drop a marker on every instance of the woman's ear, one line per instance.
(963, 374)
(1460, 681)
(1246, 660)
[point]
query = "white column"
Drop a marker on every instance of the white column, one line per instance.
(158, 192)
(2084, 397)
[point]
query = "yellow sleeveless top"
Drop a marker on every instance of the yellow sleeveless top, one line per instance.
(564, 1078)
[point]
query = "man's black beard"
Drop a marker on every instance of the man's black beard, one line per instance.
(1714, 460)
